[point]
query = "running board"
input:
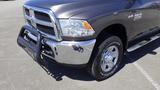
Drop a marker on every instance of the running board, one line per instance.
(142, 43)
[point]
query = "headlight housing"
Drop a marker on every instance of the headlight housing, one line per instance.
(75, 28)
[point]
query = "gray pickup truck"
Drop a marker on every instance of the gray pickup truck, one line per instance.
(95, 34)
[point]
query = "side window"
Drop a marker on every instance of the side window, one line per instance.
(146, 1)
(143, 3)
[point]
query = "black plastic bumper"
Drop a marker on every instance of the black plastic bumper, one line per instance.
(32, 48)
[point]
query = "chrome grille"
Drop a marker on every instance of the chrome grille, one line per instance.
(42, 16)
(46, 29)
(27, 11)
(43, 20)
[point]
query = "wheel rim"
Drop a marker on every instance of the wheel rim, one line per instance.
(109, 58)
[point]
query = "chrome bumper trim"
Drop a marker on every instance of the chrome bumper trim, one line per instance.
(71, 52)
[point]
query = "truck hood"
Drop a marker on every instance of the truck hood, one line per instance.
(81, 9)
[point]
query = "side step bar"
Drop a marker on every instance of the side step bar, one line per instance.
(142, 43)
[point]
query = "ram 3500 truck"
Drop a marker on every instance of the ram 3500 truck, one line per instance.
(91, 33)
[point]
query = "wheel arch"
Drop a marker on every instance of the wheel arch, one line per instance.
(116, 29)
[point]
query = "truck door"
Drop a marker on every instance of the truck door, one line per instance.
(144, 16)
(158, 8)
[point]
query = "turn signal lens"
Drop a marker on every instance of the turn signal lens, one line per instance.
(86, 25)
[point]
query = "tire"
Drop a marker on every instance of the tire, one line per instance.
(104, 64)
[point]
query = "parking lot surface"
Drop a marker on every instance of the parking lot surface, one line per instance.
(19, 72)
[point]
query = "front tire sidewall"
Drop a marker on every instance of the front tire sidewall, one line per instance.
(96, 68)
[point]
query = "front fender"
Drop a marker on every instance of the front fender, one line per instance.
(101, 23)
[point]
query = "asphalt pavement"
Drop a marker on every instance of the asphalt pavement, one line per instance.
(18, 71)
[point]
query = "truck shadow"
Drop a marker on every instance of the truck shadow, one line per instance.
(59, 71)
(141, 52)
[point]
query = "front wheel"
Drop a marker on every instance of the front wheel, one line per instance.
(107, 58)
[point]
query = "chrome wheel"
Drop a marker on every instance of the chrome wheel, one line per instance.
(109, 58)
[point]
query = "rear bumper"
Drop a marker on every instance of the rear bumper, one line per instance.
(64, 52)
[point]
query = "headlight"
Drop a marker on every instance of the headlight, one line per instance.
(75, 28)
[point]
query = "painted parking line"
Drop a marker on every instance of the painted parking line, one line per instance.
(147, 76)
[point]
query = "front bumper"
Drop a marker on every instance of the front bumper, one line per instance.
(64, 52)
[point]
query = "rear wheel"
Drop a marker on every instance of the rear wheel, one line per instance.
(107, 58)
